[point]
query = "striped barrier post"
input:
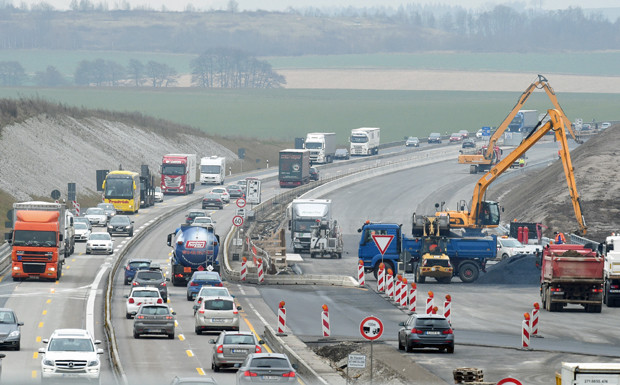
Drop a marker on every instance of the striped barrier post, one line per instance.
(261, 274)
(381, 278)
(281, 319)
(244, 268)
(397, 288)
(535, 320)
(446, 308)
(429, 302)
(325, 321)
(390, 284)
(360, 273)
(413, 293)
(525, 332)
(404, 290)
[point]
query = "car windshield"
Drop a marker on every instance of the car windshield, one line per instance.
(145, 293)
(80, 225)
(106, 206)
(219, 191)
(269, 362)
(95, 211)
(120, 220)
(432, 323)
(154, 310)
(234, 187)
(70, 345)
(149, 275)
(218, 304)
(511, 243)
(157, 189)
(7, 317)
(238, 339)
(100, 237)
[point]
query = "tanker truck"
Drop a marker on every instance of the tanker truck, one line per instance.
(194, 248)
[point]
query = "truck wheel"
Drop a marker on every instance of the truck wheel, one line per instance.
(473, 169)
(547, 298)
(468, 272)
(419, 278)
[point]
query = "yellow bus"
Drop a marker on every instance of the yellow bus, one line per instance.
(122, 189)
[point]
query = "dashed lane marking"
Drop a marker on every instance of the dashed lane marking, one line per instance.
(200, 371)
(189, 353)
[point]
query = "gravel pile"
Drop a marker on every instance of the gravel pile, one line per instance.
(517, 270)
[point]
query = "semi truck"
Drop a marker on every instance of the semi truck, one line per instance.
(294, 167)
(365, 141)
(41, 239)
(611, 293)
(588, 373)
(571, 274)
(147, 187)
(468, 255)
(178, 174)
(212, 170)
(303, 214)
(194, 248)
(322, 146)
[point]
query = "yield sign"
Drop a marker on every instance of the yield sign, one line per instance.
(382, 242)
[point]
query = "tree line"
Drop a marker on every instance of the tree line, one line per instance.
(216, 68)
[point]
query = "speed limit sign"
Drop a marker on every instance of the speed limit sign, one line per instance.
(237, 220)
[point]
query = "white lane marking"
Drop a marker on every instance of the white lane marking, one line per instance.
(90, 304)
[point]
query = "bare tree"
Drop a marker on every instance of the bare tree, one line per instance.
(51, 77)
(11, 73)
(135, 69)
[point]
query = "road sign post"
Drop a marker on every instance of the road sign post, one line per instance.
(371, 328)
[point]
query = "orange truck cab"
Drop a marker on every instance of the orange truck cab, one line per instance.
(38, 240)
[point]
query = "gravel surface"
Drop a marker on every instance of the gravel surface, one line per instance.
(43, 153)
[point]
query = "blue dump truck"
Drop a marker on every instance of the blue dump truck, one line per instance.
(468, 255)
(194, 248)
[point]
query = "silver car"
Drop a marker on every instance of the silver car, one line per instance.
(267, 368)
(231, 348)
(96, 216)
(10, 333)
(217, 314)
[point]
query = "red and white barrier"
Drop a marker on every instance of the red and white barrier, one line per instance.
(76, 206)
(244, 268)
(281, 318)
(413, 294)
(390, 284)
(404, 290)
(325, 321)
(430, 302)
(525, 332)
(360, 273)
(381, 278)
(535, 319)
(446, 308)
(398, 285)
(261, 274)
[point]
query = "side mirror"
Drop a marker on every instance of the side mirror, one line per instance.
(261, 342)
(196, 307)
(237, 366)
(99, 351)
(174, 313)
(97, 342)
(295, 366)
(45, 341)
(126, 296)
(20, 324)
(359, 230)
(169, 242)
(401, 324)
(238, 307)
(2, 355)
(167, 279)
(42, 350)
(212, 341)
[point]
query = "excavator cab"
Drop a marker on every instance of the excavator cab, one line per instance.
(488, 214)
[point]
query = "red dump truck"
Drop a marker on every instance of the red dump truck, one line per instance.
(571, 274)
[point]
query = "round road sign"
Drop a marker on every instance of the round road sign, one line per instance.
(509, 381)
(237, 220)
(55, 194)
(371, 328)
(241, 203)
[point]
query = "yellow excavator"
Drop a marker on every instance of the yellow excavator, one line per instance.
(486, 214)
(491, 154)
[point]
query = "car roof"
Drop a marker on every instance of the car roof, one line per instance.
(212, 297)
(71, 333)
(144, 288)
(261, 355)
(149, 271)
(434, 316)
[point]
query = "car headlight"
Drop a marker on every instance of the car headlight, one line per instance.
(93, 363)
(127, 227)
(14, 333)
(47, 362)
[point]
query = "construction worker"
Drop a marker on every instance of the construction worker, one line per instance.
(521, 162)
(559, 238)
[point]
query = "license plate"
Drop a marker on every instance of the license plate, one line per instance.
(239, 350)
(433, 333)
(218, 320)
(269, 378)
(154, 331)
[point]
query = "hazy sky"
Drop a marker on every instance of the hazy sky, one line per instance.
(283, 4)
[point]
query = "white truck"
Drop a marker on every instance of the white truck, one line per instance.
(365, 141)
(303, 214)
(611, 293)
(326, 239)
(212, 170)
(322, 146)
(588, 373)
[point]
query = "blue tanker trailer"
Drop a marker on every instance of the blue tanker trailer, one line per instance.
(194, 248)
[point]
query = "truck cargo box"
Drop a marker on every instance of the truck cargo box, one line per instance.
(571, 262)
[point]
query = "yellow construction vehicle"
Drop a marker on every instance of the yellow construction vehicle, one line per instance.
(491, 154)
(486, 214)
(434, 261)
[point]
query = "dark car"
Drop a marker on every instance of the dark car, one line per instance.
(235, 191)
(426, 331)
(189, 218)
(120, 224)
(109, 209)
(200, 279)
(271, 368)
(468, 143)
(154, 319)
(314, 173)
(153, 278)
(134, 265)
(10, 329)
(232, 348)
(212, 200)
(412, 141)
(341, 153)
(434, 137)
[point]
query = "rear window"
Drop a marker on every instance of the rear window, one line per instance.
(210, 291)
(150, 275)
(145, 293)
(206, 276)
(218, 304)
(239, 340)
(154, 310)
(139, 265)
(270, 362)
(437, 323)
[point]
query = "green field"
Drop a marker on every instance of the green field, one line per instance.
(285, 114)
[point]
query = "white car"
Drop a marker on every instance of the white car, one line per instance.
(223, 193)
(82, 232)
(508, 247)
(159, 195)
(203, 221)
(141, 295)
(96, 216)
(70, 353)
(479, 134)
(605, 125)
(100, 242)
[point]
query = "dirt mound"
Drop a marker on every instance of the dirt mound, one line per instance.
(517, 270)
(571, 254)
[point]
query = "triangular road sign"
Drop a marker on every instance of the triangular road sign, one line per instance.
(382, 242)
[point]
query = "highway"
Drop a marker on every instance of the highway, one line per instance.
(486, 318)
